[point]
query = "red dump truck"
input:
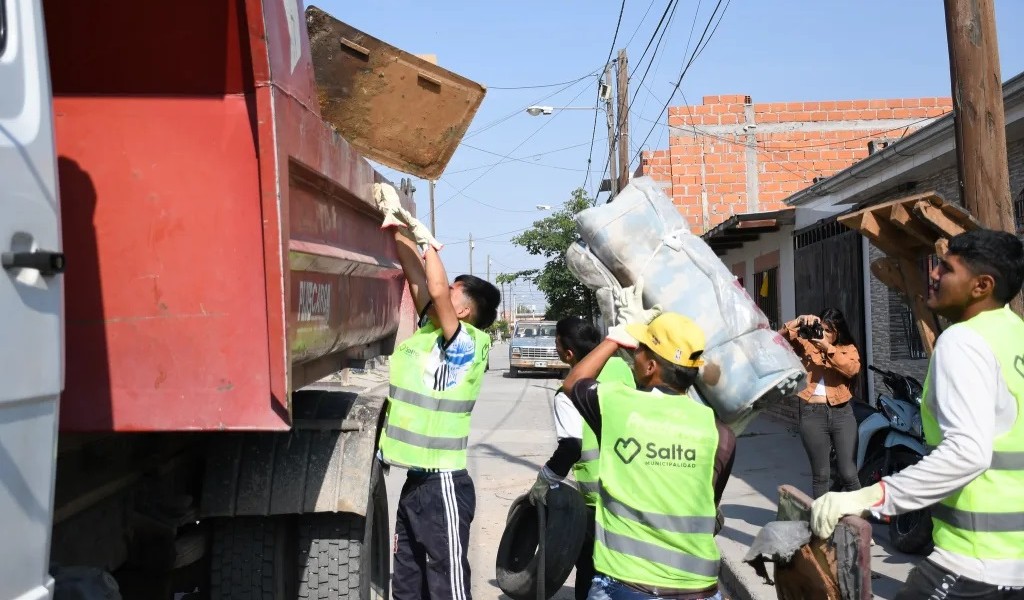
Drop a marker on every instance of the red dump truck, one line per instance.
(190, 244)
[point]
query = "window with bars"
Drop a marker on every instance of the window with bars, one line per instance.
(766, 295)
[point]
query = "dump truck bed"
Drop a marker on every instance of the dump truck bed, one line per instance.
(222, 240)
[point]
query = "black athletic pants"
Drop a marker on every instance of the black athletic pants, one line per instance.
(585, 561)
(929, 581)
(435, 511)
(822, 428)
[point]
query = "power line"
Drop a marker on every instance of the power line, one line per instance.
(641, 23)
(504, 157)
(536, 87)
(615, 36)
(673, 5)
(482, 203)
(669, 8)
(698, 49)
(519, 159)
(518, 111)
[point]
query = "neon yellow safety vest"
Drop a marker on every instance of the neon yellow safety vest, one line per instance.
(426, 428)
(615, 370)
(985, 519)
(656, 512)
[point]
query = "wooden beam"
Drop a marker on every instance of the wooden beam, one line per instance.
(854, 217)
(902, 218)
(937, 219)
(756, 224)
(941, 246)
(904, 276)
(884, 236)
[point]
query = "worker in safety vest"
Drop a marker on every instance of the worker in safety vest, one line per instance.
(435, 380)
(663, 466)
(973, 418)
(576, 337)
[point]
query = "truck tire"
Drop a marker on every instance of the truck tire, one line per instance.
(342, 555)
(252, 559)
(513, 372)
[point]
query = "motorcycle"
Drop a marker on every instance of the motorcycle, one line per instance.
(889, 439)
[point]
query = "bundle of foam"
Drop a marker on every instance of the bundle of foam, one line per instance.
(642, 235)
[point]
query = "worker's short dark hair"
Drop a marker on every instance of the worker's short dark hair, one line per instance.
(579, 335)
(995, 253)
(680, 379)
(485, 298)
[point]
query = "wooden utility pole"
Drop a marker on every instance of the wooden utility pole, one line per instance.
(609, 109)
(978, 117)
(622, 89)
(432, 230)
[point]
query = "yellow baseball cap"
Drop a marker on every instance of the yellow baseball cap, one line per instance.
(673, 337)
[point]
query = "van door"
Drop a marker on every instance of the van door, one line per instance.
(31, 304)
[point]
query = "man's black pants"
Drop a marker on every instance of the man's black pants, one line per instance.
(585, 561)
(435, 511)
(929, 581)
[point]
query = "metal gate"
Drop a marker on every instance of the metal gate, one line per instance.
(829, 272)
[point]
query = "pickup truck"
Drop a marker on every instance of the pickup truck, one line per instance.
(191, 247)
(532, 348)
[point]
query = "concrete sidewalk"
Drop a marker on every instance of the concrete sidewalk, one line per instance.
(769, 454)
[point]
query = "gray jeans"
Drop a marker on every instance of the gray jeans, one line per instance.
(822, 428)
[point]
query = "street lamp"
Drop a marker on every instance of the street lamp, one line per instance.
(536, 111)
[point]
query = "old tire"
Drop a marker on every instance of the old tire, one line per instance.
(566, 525)
(342, 555)
(513, 372)
(252, 558)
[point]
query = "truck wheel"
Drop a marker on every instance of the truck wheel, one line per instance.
(513, 372)
(342, 555)
(252, 559)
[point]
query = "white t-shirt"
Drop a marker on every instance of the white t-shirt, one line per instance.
(972, 404)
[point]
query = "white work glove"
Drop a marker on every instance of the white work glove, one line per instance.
(395, 215)
(833, 506)
(546, 480)
(388, 203)
(620, 336)
(629, 305)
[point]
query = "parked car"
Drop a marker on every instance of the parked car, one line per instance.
(532, 348)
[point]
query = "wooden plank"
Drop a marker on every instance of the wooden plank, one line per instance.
(885, 236)
(756, 224)
(903, 219)
(941, 246)
(929, 196)
(937, 219)
(903, 275)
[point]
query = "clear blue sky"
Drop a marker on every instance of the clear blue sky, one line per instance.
(772, 50)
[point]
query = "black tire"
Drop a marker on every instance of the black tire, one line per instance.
(513, 372)
(252, 558)
(566, 525)
(910, 533)
(342, 555)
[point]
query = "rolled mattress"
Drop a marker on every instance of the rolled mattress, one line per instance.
(642, 235)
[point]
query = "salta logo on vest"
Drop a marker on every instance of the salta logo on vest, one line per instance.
(1018, 364)
(676, 455)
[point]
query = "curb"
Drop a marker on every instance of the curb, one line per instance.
(735, 583)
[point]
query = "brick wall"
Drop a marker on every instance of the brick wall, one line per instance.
(746, 157)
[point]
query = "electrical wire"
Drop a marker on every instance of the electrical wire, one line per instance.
(505, 157)
(519, 111)
(519, 159)
(705, 38)
(670, 11)
(537, 87)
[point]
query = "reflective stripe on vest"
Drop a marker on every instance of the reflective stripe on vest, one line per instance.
(668, 523)
(656, 553)
(656, 504)
(585, 470)
(984, 520)
(426, 428)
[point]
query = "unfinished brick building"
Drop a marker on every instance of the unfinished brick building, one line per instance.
(729, 156)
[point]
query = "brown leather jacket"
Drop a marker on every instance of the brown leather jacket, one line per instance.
(838, 367)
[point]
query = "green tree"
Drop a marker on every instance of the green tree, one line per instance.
(550, 237)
